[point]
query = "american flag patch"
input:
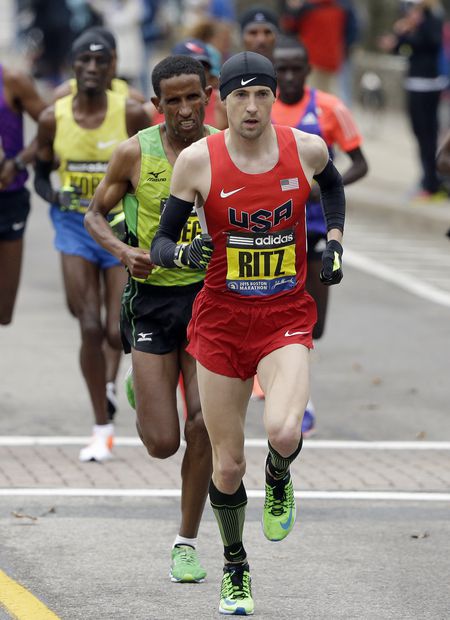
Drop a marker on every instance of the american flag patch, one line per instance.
(288, 184)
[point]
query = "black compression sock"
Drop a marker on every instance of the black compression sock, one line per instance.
(278, 465)
(229, 511)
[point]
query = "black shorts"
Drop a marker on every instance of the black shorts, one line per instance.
(14, 210)
(316, 245)
(154, 319)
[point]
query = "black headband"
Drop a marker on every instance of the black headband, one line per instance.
(90, 42)
(246, 69)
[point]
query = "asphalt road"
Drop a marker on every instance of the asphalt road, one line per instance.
(380, 374)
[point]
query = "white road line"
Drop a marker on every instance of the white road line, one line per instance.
(251, 493)
(18, 441)
(406, 282)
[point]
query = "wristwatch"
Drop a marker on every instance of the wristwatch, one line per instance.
(178, 254)
(19, 164)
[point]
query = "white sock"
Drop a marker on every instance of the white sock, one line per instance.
(180, 540)
(104, 430)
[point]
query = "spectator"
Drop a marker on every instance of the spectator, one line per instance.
(222, 9)
(153, 29)
(322, 26)
(123, 18)
(53, 27)
(418, 34)
(217, 34)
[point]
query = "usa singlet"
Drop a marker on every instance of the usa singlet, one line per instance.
(257, 223)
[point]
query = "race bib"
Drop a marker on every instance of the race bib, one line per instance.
(87, 176)
(261, 263)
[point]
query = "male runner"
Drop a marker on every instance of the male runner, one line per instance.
(253, 314)
(215, 112)
(259, 31)
(157, 303)
(114, 83)
(18, 94)
(320, 113)
(81, 132)
(117, 85)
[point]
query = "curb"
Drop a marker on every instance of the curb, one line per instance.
(398, 211)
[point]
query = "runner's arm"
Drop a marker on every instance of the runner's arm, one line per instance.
(136, 117)
(331, 188)
(25, 98)
(117, 181)
(358, 168)
(164, 250)
(44, 156)
(333, 204)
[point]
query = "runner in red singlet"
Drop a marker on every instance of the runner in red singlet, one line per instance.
(253, 314)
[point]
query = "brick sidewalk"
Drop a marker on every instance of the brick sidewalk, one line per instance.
(317, 470)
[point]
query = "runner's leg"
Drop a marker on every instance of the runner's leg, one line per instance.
(284, 375)
(82, 285)
(11, 252)
(155, 379)
(224, 404)
(114, 282)
(197, 462)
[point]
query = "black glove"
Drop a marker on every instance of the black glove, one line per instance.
(195, 255)
(332, 263)
(68, 197)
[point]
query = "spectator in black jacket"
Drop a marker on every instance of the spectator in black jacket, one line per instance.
(418, 33)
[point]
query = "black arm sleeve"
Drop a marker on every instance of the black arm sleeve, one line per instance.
(173, 218)
(332, 195)
(42, 183)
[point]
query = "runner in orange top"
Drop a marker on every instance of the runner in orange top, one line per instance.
(320, 113)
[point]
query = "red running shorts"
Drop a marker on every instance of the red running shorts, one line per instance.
(231, 336)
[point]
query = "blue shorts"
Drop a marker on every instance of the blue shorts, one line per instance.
(72, 238)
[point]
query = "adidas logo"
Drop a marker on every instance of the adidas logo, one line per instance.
(310, 119)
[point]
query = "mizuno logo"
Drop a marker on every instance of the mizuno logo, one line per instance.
(245, 82)
(94, 47)
(105, 145)
(145, 337)
(155, 176)
(288, 333)
(224, 194)
(286, 525)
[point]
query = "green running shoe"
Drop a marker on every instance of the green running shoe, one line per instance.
(279, 510)
(129, 387)
(185, 565)
(236, 591)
